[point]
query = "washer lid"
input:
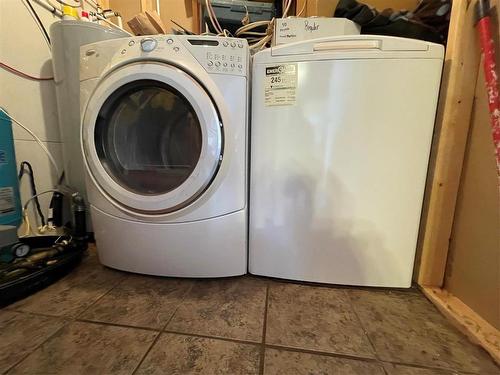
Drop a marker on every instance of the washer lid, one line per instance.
(354, 47)
(152, 137)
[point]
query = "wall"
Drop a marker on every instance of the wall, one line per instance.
(473, 267)
(32, 103)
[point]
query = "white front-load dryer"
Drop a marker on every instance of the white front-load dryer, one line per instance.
(164, 138)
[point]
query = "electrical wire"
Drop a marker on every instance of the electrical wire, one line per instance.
(43, 228)
(38, 21)
(40, 143)
(257, 40)
(213, 17)
(303, 9)
(286, 6)
(39, 194)
(70, 5)
(55, 6)
(24, 75)
(33, 187)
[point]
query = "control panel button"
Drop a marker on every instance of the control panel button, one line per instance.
(148, 44)
(225, 64)
(233, 44)
(176, 49)
(233, 65)
(131, 43)
(240, 45)
(217, 63)
(170, 40)
(240, 66)
(210, 63)
(225, 43)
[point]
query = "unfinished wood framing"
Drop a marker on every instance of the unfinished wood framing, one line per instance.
(196, 9)
(452, 126)
(466, 320)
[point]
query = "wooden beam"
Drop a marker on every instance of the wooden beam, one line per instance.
(196, 14)
(466, 320)
(452, 126)
(104, 4)
(147, 5)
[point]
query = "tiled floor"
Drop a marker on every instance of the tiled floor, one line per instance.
(100, 321)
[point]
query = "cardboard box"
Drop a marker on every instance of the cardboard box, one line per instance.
(289, 30)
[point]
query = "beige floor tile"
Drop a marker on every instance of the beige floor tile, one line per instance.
(230, 308)
(87, 348)
(21, 333)
(282, 362)
(179, 354)
(314, 318)
(75, 292)
(406, 328)
(392, 369)
(140, 301)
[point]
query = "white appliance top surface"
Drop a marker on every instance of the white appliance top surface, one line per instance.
(352, 47)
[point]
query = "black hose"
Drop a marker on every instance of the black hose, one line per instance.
(38, 20)
(33, 187)
(79, 218)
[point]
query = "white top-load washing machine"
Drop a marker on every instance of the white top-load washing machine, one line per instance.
(164, 137)
(340, 142)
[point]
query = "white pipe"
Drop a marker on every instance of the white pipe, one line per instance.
(101, 18)
(70, 5)
(49, 7)
(119, 20)
(92, 3)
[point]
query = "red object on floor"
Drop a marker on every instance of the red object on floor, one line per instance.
(488, 50)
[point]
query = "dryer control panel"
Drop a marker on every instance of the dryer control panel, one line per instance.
(219, 54)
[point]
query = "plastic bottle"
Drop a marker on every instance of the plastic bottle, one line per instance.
(84, 16)
(69, 13)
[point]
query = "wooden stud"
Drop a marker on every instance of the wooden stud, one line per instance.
(196, 23)
(452, 126)
(104, 4)
(147, 5)
(466, 320)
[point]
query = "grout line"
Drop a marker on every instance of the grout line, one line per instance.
(20, 311)
(375, 289)
(236, 341)
(451, 370)
(110, 324)
(327, 354)
(188, 290)
(365, 331)
(125, 277)
(65, 324)
(162, 330)
(264, 330)
(147, 352)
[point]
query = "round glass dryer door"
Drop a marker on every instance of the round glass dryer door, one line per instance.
(152, 139)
